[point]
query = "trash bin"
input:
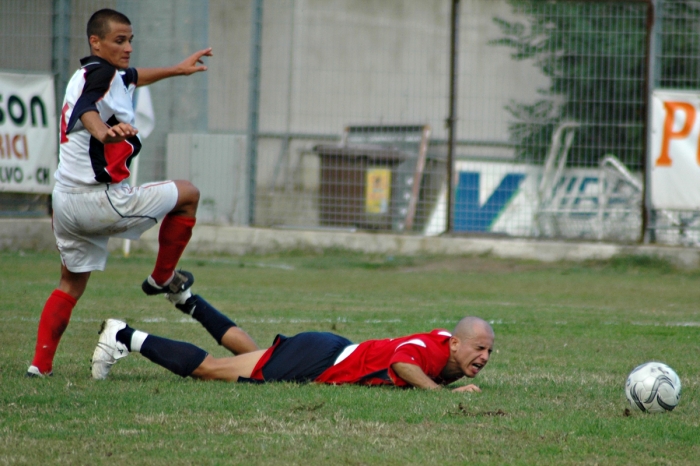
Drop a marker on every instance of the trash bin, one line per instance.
(360, 186)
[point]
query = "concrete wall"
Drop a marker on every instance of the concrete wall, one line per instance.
(325, 64)
(329, 64)
(25, 35)
(209, 239)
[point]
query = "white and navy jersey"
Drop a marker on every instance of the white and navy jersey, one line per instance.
(83, 160)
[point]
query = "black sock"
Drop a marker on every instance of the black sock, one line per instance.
(124, 336)
(178, 357)
(216, 323)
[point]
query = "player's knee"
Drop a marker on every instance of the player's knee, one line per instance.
(188, 192)
(194, 194)
(187, 197)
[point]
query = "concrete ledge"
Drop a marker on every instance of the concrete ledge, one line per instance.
(19, 233)
(36, 234)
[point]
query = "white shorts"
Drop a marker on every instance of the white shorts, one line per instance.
(85, 218)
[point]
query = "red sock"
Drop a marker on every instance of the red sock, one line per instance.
(175, 232)
(53, 322)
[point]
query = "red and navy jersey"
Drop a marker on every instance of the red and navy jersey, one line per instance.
(83, 160)
(370, 362)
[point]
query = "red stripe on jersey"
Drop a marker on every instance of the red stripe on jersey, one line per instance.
(64, 123)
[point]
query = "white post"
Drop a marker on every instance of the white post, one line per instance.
(145, 123)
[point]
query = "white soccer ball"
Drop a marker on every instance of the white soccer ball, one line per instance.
(653, 387)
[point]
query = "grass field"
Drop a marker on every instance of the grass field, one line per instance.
(566, 337)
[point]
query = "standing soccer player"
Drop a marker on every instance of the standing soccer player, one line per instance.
(91, 200)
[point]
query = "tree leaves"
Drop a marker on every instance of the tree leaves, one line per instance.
(595, 56)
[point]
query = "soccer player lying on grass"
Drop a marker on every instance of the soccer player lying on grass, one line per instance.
(423, 360)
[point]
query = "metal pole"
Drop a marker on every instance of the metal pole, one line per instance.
(254, 104)
(653, 72)
(60, 53)
(452, 119)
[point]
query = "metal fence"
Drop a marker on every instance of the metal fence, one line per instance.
(349, 108)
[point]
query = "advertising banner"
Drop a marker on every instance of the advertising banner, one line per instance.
(504, 198)
(675, 150)
(28, 133)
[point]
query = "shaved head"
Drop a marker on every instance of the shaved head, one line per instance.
(470, 348)
(470, 326)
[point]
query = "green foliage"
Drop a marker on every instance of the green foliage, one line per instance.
(567, 335)
(594, 54)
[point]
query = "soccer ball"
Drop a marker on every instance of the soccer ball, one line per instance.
(653, 387)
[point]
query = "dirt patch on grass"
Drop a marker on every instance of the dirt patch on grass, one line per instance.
(463, 410)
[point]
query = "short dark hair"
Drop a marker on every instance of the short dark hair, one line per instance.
(98, 25)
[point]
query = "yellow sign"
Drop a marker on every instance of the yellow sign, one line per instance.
(378, 191)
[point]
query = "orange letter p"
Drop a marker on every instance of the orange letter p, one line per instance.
(664, 159)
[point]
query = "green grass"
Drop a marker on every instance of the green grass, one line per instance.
(566, 337)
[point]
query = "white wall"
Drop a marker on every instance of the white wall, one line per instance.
(326, 64)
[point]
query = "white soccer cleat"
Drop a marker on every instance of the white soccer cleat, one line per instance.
(34, 371)
(179, 298)
(108, 350)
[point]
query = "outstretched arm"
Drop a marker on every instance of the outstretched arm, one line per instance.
(190, 65)
(415, 376)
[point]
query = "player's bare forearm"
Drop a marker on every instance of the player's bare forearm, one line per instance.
(414, 375)
(105, 134)
(190, 65)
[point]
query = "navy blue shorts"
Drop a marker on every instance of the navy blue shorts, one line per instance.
(303, 357)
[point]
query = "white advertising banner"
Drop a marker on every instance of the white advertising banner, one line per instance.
(494, 197)
(28, 133)
(675, 150)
